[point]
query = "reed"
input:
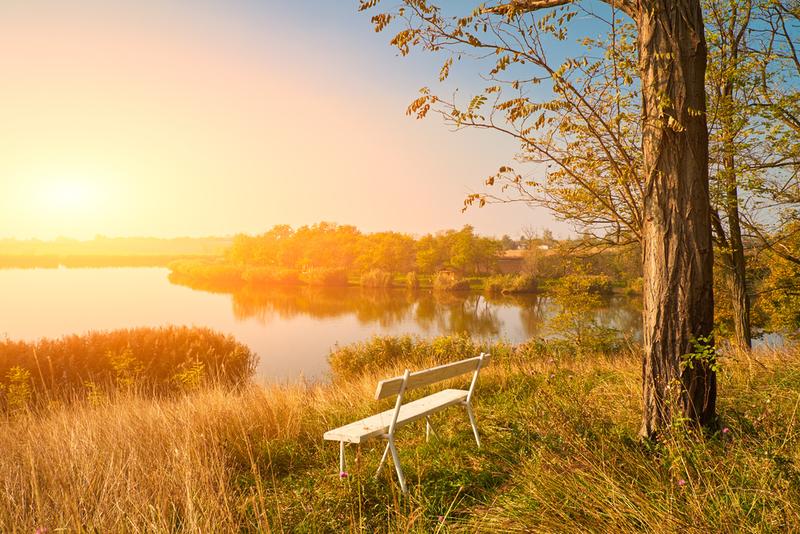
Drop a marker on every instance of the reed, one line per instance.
(153, 361)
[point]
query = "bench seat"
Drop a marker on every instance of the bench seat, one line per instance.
(378, 424)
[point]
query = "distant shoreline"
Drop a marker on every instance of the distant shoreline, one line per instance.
(54, 261)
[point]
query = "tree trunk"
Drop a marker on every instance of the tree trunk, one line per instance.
(737, 281)
(677, 250)
(740, 300)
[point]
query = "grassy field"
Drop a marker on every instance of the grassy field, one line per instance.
(560, 454)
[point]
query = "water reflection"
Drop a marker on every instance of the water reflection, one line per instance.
(431, 313)
(384, 307)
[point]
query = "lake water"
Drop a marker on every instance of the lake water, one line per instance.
(291, 329)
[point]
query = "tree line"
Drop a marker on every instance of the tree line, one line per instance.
(332, 246)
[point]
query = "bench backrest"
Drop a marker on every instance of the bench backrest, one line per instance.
(426, 377)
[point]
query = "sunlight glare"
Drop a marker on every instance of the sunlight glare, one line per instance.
(67, 196)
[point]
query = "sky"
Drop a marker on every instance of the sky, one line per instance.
(197, 117)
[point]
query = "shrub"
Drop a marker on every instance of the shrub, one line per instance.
(152, 360)
(522, 283)
(206, 274)
(382, 353)
(270, 276)
(510, 283)
(596, 341)
(495, 284)
(635, 286)
(593, 284)
(376, 353)
(324, 277)
(448, 281)
(376, 278)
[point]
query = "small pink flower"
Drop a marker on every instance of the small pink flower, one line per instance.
(726, 430)
(40, 530)
(681, 482)
(441, 519)
(343, 474)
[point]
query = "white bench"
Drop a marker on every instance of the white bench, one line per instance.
(385, 424)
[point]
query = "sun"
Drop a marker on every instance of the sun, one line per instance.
(69, 196)
(73, 204)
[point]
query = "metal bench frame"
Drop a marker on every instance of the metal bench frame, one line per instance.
(399, 386)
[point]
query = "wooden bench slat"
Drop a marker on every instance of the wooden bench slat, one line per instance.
(391, 386)
(378, 424)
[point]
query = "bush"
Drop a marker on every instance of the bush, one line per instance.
(593, 284)
(376, 353)
(523, 283)
(324, 277)
(510, 283)
(495, 284)
(382, 353)
(269, 276)
(376, 278)
(635, 286)
(206, 274)
(152, 360)
(595, 340)
(448, 281)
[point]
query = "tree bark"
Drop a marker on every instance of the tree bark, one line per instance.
(740, 299)
(677, 249)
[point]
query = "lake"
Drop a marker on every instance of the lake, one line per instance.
(291, 329)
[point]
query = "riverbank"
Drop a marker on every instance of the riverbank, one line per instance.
(222, 276)
(560, 454)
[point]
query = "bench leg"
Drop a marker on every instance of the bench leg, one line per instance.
(397, 467)
(383, 460)
(341, 457)
(472, 422)
(428, 428)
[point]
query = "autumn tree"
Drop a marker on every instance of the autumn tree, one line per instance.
(392, 252)
(734, 138)
(779, 287)
(470, 253)
(431, 256)
(755, 155)
(674, 213)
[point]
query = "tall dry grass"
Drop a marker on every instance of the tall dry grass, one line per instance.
(158, 361)
(205, 462)
(560, 454)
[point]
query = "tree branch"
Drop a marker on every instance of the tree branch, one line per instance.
(524, 6)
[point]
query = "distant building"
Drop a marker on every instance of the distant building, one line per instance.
(511, 261)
